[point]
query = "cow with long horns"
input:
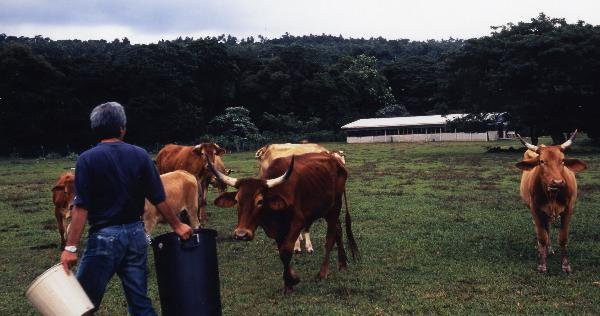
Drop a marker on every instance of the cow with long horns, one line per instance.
(549, 188)
(291, 194)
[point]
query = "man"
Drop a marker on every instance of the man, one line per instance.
(111, 182)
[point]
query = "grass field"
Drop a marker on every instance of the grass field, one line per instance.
(440, 226)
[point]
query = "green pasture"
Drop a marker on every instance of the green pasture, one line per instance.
(440, 226)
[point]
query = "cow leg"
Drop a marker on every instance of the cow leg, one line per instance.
(330, 240)
(202, 216)
(342, 258)
(61, 227)
(194, 220)
(297, 246)
(67, 224)
(563, 236)
(149, 223)
(541, 228)
(549, 249)
(286, 247)
(307, 242)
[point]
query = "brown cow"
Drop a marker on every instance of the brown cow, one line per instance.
(268, 153)
(549, 188)
(311, 188)
(191, 159)
(63, 193)
(181, 190)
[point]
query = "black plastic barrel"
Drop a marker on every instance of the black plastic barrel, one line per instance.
(187, 273)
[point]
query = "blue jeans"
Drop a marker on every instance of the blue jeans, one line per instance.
(120, 249)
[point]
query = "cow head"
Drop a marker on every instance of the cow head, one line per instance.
(551, 162)
(253, 197)
(260, 152)
(208, 150)
(340, 155)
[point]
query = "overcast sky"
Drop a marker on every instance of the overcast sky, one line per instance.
(144, 21)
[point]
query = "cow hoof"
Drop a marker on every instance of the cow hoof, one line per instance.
(287, 290)
(310, 250)
(567, 268)
(297, 250)
(291, 279)
(542, 268)
(342, 266)
(322, 275)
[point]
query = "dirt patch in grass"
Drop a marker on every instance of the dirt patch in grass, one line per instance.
(44, 246)
(49, 224)
(588, 187)
(5, 229)
(30, 210)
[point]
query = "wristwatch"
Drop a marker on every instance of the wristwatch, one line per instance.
(72, 249)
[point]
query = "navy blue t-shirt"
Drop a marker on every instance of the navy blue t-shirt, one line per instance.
(111, 182)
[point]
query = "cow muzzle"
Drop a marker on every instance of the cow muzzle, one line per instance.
(556, 185)
(242, 234)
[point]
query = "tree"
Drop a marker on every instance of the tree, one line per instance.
(393, 110)
(541, 72)
(235, 124)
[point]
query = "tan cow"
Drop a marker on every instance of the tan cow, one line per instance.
(268, 153)
(181, 189)
(63, 193)
(191, 159)
(549, 188)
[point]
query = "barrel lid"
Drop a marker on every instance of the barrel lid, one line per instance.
(174, 236)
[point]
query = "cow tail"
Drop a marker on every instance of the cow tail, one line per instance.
(349, 235)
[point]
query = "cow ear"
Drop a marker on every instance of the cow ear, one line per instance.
(575, 165)
(528, 164)
(58, 188)
(197, 150)
(226, 199)
(218, 150)
(276, 203)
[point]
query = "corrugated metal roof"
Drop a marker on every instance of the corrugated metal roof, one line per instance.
(402, 121)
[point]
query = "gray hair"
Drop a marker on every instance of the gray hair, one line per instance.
(108, 114)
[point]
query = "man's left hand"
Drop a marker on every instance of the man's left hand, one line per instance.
(184, 231)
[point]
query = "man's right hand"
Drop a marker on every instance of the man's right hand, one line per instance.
(184, 231)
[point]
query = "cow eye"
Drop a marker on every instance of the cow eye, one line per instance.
(259, 202)
(542, 162)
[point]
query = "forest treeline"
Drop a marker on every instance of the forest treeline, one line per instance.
(543, 73)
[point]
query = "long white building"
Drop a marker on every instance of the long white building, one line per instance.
(426, 128)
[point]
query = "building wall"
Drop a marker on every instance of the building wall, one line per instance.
(439, 137)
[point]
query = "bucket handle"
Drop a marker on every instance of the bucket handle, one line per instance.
(192, 242)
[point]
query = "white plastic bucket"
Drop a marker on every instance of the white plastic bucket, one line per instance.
(57, 293)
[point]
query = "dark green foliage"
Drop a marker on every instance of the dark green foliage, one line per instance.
(392, 110)
(543, 72)
(476, 123)
(294, 87)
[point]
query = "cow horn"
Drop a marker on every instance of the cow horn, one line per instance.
(223, 178)
(279, 180)
(528, 145)
(569, 141)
